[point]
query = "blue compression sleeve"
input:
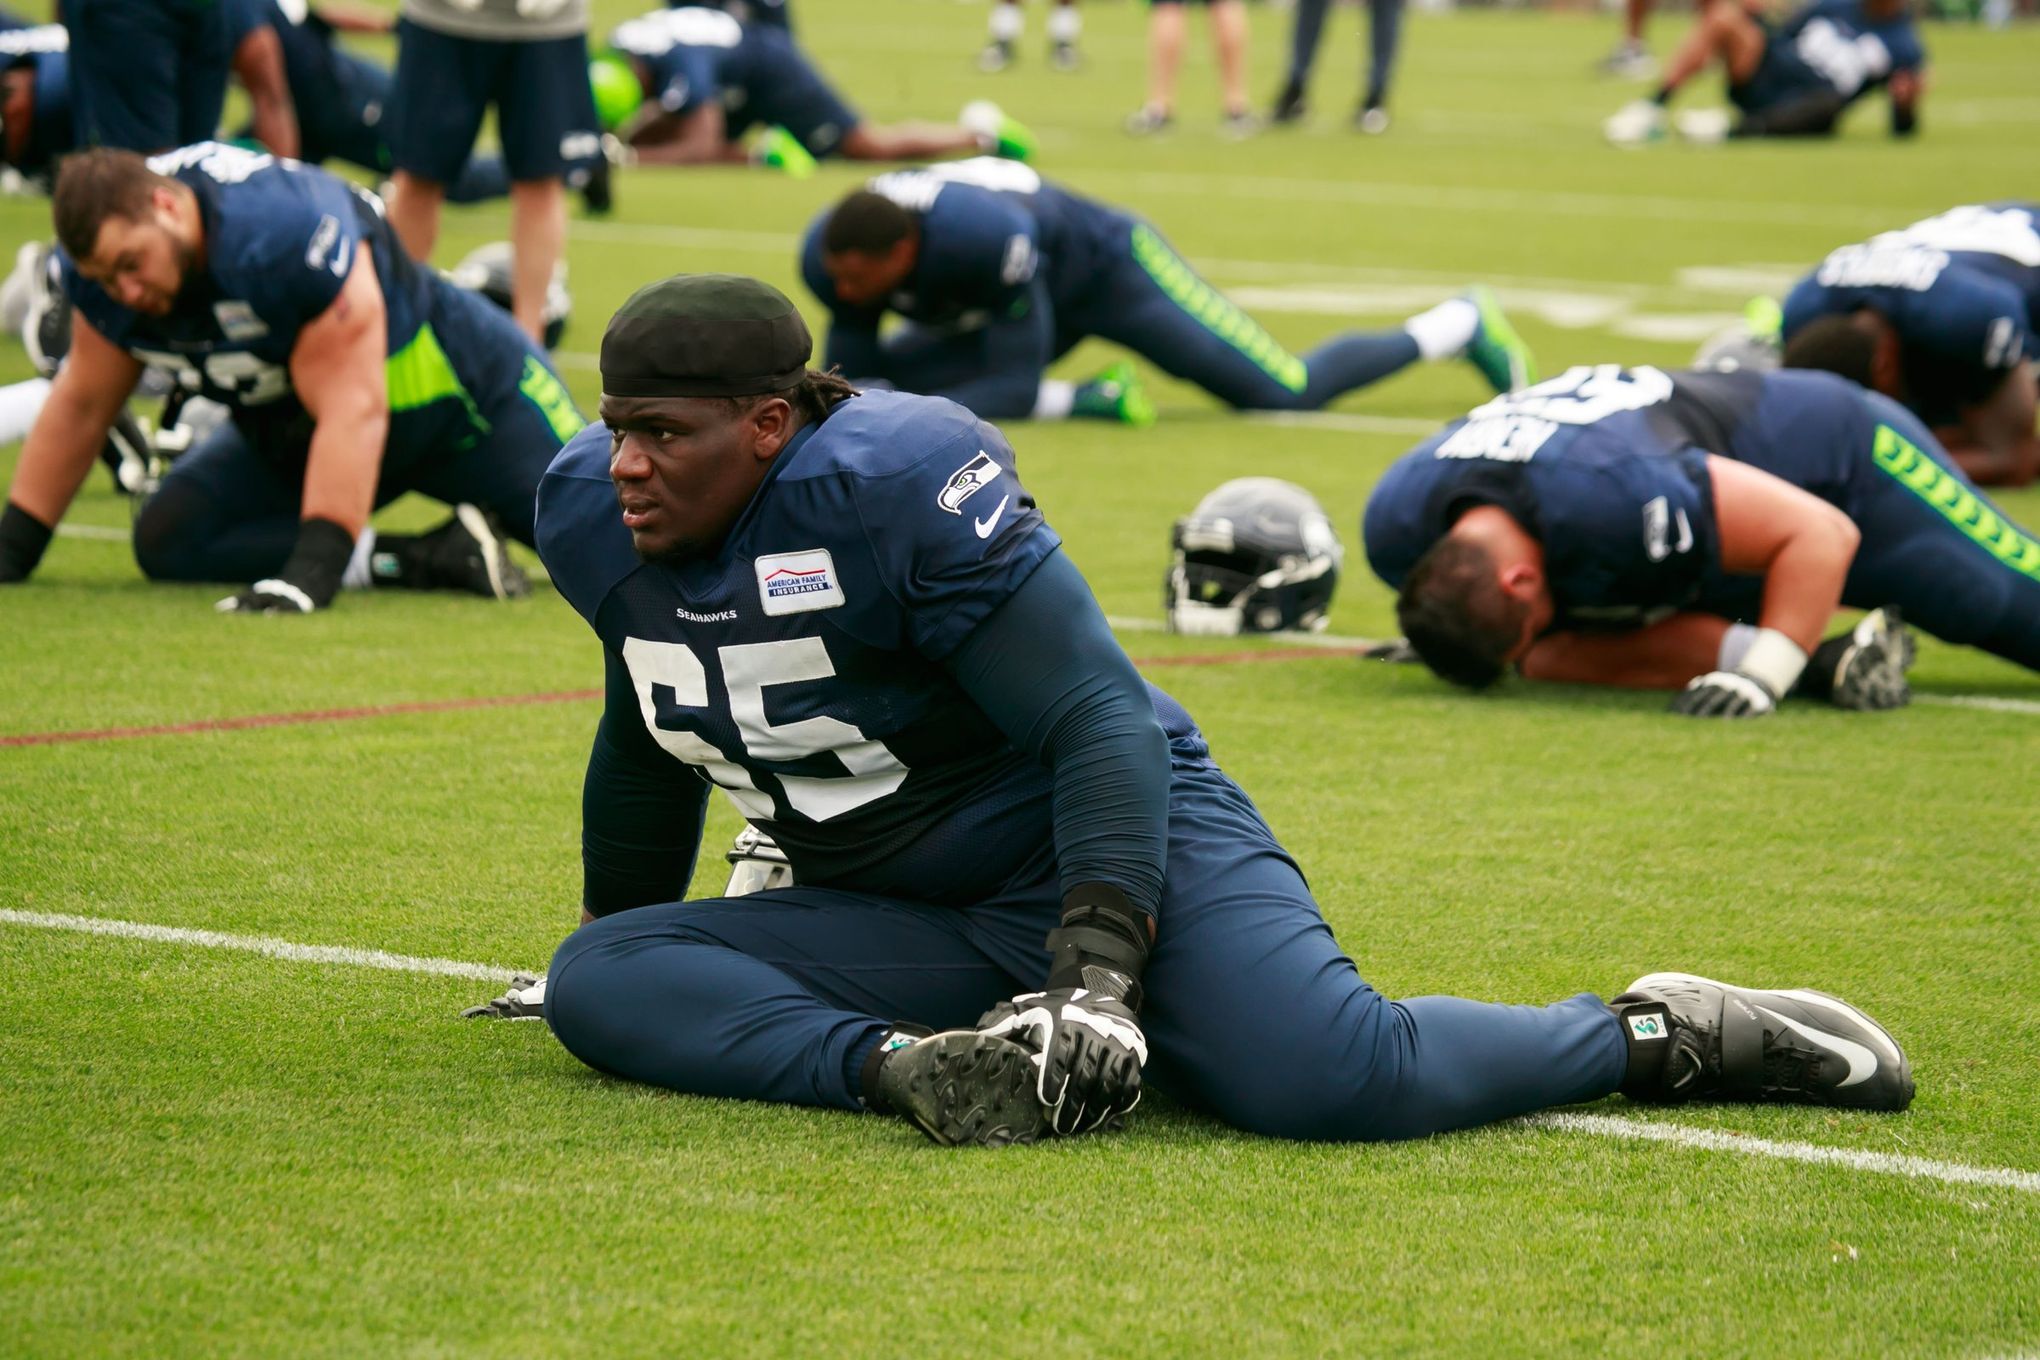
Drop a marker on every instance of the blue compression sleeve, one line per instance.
(641, 810)
(1046, 669)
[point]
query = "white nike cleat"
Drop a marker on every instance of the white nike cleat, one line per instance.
(1691, 1038)
(1635, 123)
(1704, 127)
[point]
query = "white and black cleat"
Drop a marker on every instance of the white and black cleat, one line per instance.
(524, 1001)
(1691, 1038)
(1865, 668)
(963, 1088)
(470, 554)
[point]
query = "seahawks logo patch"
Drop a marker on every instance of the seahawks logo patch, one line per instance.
(973, 477)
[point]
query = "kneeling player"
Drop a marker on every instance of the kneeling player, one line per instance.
(1651, 530)
(1793, 80)
(1021, 878)
(682, 86)
(353, 375)
(35, 97)
(1945, 317)
(1000, 273)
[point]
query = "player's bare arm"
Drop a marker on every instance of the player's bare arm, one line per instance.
(697, 137)
(337, 370)
(88, 393)
(1996, 442)
(258, 63)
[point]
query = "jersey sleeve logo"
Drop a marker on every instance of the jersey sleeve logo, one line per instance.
(798, 582)
(1657, 523)
(973, 477)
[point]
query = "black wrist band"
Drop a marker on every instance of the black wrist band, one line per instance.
(319, 561)
(23, 540)
(1100, 929)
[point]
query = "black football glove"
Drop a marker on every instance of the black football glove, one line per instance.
(1725, 694)
(1087, 1046)
(23, 540)
(307, 582)
(1769, 667)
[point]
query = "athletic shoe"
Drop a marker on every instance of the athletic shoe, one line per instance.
(1635, 124)
(1629, 61)
(961, 1087)
(996, 133)
(1115, 394)
(1237, 127)
(1864, 669)
(1289, 105)
(782, 150)
(1703, 127)
(1063, 56)
(1145, 121)
(1691, 1038)
(524, 1001)
(1764, 318)
(597, 188)
(1496, 350)
(1372, 119)
(997, 56)
(467, 553)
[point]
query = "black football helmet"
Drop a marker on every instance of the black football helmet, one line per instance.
(1258, 555)
(486, 270)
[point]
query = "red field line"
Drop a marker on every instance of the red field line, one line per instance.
(324, 715)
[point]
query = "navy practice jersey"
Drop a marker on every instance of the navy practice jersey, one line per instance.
(1962, 290)
(800, 668)
(696, 55)
(990, 229)
(1607, 468)
(44, 51)
(1838, 45)
(280, 238)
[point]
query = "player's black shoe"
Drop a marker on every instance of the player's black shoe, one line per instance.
(961, 1087)
(465, 553)
(1864, 668)
(1691, 1038)
(598, 188)
(1289, 105)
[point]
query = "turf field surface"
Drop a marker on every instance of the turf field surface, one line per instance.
(211, 1149)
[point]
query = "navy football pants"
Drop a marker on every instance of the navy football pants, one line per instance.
(1154, 304)
(147, 75)
(1384, 34)
(1253, 1015)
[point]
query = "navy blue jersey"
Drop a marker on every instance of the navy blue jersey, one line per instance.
(800, 668)
(1607, 468)
(280, 238)
(990, 229)
(44, 51)
(695, 55)
(1962, 290)
(1836, 44)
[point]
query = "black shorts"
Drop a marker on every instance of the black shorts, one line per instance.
(545, 115)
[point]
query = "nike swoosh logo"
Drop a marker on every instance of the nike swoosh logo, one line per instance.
(1685, 533)
(984, 526)
(1862, 1062)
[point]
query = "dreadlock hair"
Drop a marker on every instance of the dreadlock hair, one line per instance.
(1456, 614)
(812, 398)
(1836, 344)
(95, 185)
(866, 223)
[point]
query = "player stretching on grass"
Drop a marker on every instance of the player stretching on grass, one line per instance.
(1945, 317)
(353, 376)
(1022, 879)
(1656, 531)
(1001, 273)
(682, 86)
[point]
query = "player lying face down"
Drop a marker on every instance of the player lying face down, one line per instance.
(1697, 531)
(1017, 872)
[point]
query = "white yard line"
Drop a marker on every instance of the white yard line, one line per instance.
(1715, 1140)
(1604, 1126)
(255, 944)
(1988, 702)
(104, 533)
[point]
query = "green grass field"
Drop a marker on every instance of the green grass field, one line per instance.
(209, 1151)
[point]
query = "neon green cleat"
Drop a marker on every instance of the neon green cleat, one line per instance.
(1764, 318)
(1115, 394)
(1496, 350)
(1001, 136)
(782, 150)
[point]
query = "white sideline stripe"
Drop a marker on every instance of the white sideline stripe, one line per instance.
(256, 944)
(1988, 702)
(101, 532)
(1714, 1140)
(1915, 1168)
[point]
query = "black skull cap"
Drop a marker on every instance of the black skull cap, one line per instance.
(704, 335)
